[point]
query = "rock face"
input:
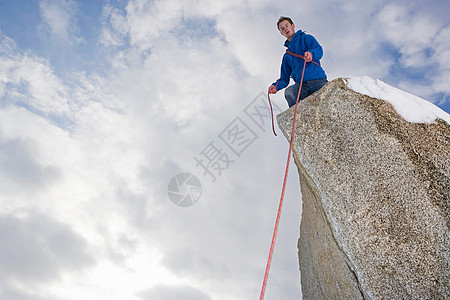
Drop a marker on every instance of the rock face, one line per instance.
(375, 189)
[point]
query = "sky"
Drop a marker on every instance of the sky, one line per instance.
(136, 154)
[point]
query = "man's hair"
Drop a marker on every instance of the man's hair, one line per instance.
(281, 19)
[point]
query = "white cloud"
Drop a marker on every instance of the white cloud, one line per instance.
(31, 82)
(412, 34)
(441, 55)
(418, 34)
(168, 292)
(42, 248)
(115, 28)
(60, 18)
(149, 19)
(38, 250)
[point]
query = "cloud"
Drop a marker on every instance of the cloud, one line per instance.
(36, 249)
(168, 292)
(59, 17)
(420, 47)
(412, 34)
(29, 81)
(16, 294)
(19, 169)
(114, 27)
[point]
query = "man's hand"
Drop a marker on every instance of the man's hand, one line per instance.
(308, 56)
(272, 89)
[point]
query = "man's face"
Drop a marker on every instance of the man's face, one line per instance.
(287, 29)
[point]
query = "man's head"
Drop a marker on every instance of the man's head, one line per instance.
(286, 27)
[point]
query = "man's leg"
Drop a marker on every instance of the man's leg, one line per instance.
(313, 86)
(291, 94)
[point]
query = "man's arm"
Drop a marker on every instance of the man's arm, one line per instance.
(314, 48)
(285, 76)
(285, 72)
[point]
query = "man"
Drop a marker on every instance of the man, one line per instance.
(299, 43)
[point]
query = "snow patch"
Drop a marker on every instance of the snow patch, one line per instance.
(412, 108)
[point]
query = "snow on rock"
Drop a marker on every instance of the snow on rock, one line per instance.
(412, 108)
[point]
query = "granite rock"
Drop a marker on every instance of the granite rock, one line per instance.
(375, 190)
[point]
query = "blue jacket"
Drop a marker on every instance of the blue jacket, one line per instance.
(293, 66)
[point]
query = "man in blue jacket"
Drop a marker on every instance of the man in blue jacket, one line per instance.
(306, 45)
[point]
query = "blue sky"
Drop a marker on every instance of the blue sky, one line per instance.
(102, 103)
(73, 48)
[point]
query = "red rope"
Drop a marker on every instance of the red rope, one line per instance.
(299, 56)
(274, 237)
(271, 113)
(271, 110)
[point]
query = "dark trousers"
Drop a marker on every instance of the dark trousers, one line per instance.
(308, 87)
